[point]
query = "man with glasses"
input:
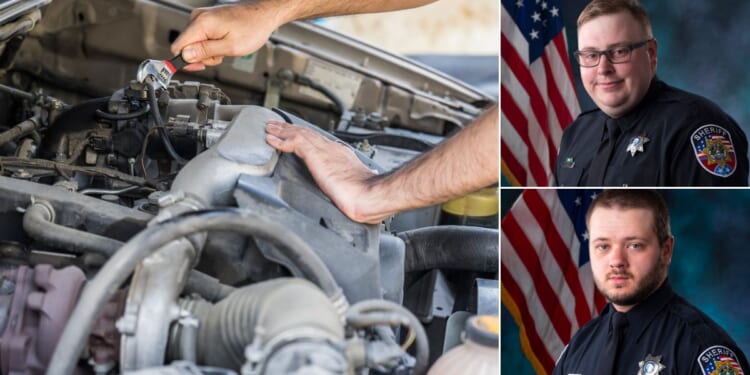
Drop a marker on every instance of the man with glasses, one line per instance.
(645, 132)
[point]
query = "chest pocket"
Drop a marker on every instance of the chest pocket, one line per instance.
(632, 173)
(569, 176)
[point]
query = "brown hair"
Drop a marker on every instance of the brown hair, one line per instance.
(598, 8)
(636, 198)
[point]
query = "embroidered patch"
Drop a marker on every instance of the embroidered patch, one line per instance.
(714, 150)
(719, 360)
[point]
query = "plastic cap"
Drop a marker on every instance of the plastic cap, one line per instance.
(483, 330)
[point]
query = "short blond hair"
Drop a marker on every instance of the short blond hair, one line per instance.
(598, 8)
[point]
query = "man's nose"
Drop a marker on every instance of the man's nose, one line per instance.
(618, 257)
(604, 67)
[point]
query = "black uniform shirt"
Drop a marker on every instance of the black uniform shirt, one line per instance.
(671, 138)
(664, 329)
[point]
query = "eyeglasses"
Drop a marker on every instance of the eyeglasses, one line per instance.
(615, 55)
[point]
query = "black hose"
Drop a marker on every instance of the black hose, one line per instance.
(206, 286)
(124, 116)
(452, 247)
(38, 222)
(95, 295)
(372, 311)
(160, 126)
(307, 81)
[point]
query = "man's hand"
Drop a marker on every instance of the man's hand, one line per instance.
(334, 166)
(464, 163)
(241, 29)
(228, 30)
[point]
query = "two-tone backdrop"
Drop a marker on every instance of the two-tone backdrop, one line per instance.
(709, 267)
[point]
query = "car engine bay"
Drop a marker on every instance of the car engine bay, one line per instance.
(151, 230)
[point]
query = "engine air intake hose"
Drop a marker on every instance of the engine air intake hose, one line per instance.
(291, 308)
(122, 264)
(452, 247)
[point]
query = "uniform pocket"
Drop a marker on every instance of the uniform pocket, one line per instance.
(569, 176)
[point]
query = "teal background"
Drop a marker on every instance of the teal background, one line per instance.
(704, 48)
(710, 266)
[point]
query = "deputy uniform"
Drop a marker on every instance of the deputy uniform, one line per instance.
(664, 334)
(671, 138)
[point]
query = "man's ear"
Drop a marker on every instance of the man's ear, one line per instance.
(667, 250)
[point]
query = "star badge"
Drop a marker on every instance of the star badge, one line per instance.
(651, 365)
(636, 144)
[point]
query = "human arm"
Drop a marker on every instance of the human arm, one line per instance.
(462, 164)
(242, 28)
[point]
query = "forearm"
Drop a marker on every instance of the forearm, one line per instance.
(296, 10)
(462, 164)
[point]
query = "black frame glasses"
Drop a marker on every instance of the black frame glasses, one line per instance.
(615, 55)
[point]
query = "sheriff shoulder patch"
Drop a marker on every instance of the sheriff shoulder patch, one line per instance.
(714, 150)
(719, 359)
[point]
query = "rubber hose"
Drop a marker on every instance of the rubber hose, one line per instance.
(451, 247)
(38, 222)
(206, 286)
(228, 327)
(117, 269)
(123, 116)
(361, 309)
(160, 124)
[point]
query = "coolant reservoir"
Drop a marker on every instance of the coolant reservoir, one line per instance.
(478, 355)
(476, 209)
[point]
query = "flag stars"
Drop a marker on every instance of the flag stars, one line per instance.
(578, 201)
(534, 34)
(536, 17)
(585, 236)
(554, 11)
(519, 4)
(544, 5)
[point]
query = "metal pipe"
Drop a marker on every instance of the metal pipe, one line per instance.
(23, 128)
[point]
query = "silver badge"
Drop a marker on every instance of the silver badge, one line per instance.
(651, 365)
(636, 144)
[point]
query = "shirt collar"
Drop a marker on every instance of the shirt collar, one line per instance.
(628, 120)
(640, 316)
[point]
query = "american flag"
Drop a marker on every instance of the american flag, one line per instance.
(537, 96)
(545, 276)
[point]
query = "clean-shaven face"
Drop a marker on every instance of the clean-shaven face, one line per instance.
(617, 88)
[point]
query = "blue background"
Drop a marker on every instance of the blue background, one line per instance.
(709, 267)
(704, 48)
